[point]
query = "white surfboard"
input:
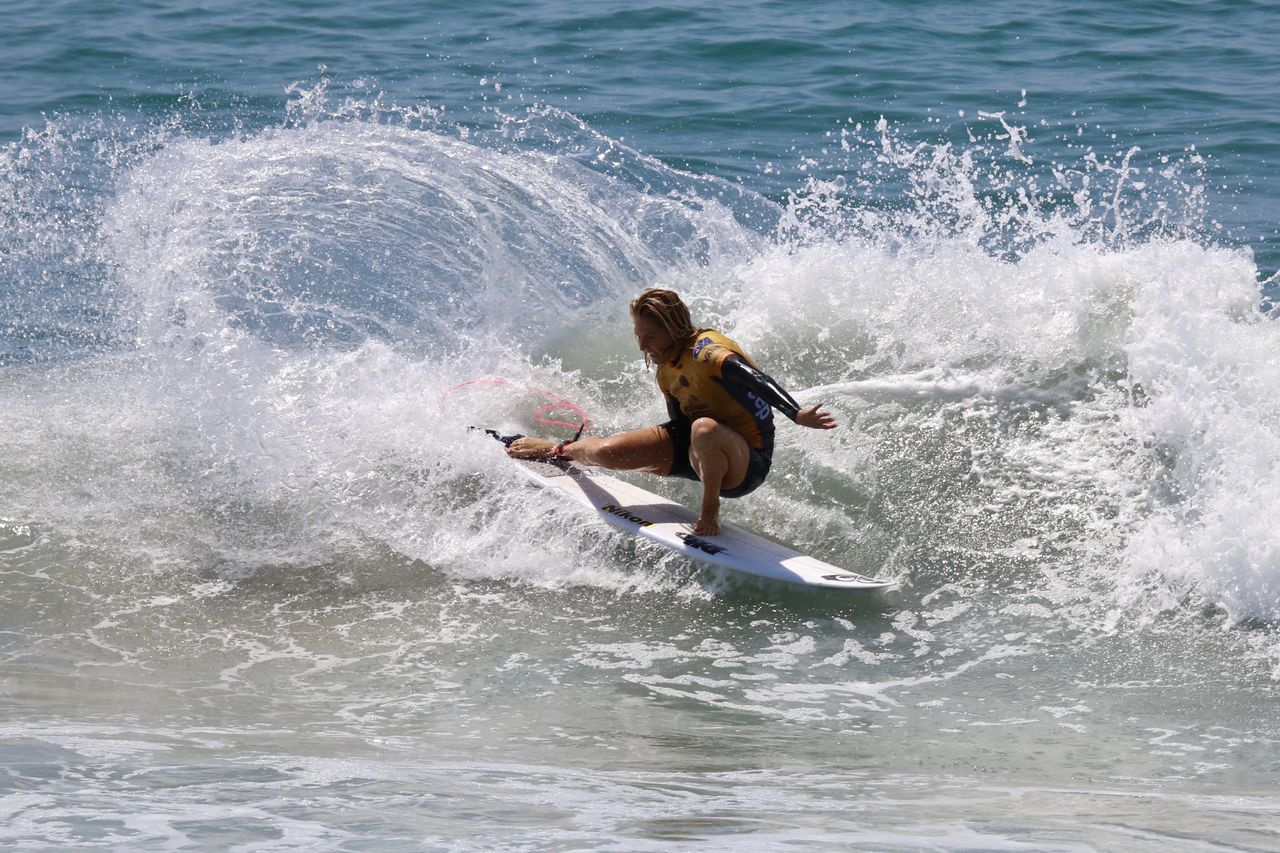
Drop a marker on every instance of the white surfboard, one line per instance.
(642, 513)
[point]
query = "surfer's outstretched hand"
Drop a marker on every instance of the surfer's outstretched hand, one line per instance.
(814, 418)
(531, 448)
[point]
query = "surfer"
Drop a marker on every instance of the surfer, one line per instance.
(720, 406)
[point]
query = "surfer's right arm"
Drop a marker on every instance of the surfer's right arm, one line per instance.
(740, 372)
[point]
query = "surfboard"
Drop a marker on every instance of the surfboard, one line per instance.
(642, 513)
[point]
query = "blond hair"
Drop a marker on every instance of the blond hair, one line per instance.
(665, 308)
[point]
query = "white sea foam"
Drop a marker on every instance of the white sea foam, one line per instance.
(1086, 401)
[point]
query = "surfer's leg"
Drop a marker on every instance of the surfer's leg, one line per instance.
(648, 450)
(720, 456)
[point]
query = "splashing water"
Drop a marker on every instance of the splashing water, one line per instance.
(1048, 365)
(230, 483)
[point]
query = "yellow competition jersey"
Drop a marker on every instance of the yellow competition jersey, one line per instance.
(696, 383)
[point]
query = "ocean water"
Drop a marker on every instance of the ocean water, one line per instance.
(261, 590)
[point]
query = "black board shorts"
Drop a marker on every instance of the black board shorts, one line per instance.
(758, 463)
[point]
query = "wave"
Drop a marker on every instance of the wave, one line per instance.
(1050, 380)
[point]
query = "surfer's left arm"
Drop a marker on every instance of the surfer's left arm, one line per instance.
(741, 372)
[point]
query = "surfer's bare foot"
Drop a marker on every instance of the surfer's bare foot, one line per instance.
(708, 525)
(532, 448)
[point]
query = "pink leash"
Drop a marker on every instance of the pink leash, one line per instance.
(543, 414)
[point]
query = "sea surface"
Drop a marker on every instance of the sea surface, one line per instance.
(262, 264)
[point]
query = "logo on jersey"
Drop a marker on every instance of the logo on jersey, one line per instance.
(763, 412)
(701, 345)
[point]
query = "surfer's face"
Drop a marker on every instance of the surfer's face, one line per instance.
(654, 340)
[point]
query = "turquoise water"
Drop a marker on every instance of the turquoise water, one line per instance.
(261, 590)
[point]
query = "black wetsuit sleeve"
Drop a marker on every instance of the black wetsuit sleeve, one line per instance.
(764, 386)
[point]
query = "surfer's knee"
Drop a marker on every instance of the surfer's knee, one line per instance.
(707, 452)
(718, 454)
(704, 431)
(708, 438)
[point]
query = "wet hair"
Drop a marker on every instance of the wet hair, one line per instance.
(665, 308)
